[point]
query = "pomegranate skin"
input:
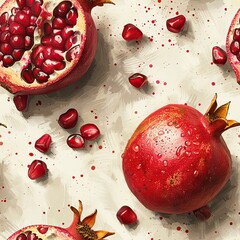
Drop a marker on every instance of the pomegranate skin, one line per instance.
(176, 161)
(80, 64)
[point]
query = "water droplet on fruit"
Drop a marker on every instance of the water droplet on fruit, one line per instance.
(178, 125)
(162, 171)
(196, 152)
(161, 132)
(195, 173)
(188, 143)
(180, 150)
(182, 135)
(196, 143)
(187, 153)
(170, 124)
(189, 132)
(135, 148)
(159, 155)
(165, 163)
(139, 166)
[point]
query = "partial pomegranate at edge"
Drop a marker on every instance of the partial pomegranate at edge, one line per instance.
(177, 161)
(78, 229)
(45, 45)
(233, 45)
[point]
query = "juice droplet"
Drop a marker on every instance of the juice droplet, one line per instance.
(135, 148)
(139, 166)
(161, 132)
(196, 143)
(180, 150)
(165, 163)
(188, 153)
(159, 155)
(170, 124)
(188, 143)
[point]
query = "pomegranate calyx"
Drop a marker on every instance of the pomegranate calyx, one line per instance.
(84, 227)
(218, 116)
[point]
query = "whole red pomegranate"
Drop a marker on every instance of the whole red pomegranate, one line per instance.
(177, 161)
(78, 230)
(45, 45)
(233, 45)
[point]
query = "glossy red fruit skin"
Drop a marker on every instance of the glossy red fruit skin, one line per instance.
(68, 119)
(21, 102)
(75, 141)
(234, 62)
(219, 56)
(131, 33)
(43, 143)
(176, 24)
(137, 80)
(126, 215)
(90, 131)
(176, 161)
(37, 169)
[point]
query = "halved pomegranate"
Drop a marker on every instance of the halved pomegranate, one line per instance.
(45, 45)
(78, 230)
(233, 45)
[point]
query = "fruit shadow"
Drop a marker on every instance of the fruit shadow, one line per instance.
(222, 207)
(203, 5)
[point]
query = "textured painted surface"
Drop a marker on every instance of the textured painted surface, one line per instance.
(179, 69)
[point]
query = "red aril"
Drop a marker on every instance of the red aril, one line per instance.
(219, 56)
(138, 80)
(75, 141)
(233, 45)
(30, 34)
(37, 169)
(43, 143)
(21, 102)
(177, 161)
(90, 131)
(131, 33)
(176, 24)
(78, 229)
(126, 215)
(68, 119)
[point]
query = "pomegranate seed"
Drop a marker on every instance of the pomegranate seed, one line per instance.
(42, 229)
(176, 24)
(27, 75)
(32, 236)
(46, 40)
(29, 3)
(57, 55)
(219, 56)
(60, 65)
(5, 36)
(6, 48)
(62, 9)
(4, 27)
(202, 213)
(28, 42)
(36, 8)
(68, 119)
(131, 33)
(27, 10)
(17, 28)
(48, 67)
(4, 18)
(37, 169)
(75, 141)
(43, 143)
(47, 29)
(33, 20)
(17, 41)
(70, 41)
(67, 32)
(8, 61)
(22, 18)
(126, 215)
(42, 77)
(30, 30)
(89, 131)
(58, 23)
(1, 56)
(17, 54)
(71, 17)
(21, 3)
(21, 102)
(138, 80)
(21, 237)
(14, 10)
(47, 52)
(58, 42)
(235, 47)
(39, 60)
(72, 53)
(236, 35)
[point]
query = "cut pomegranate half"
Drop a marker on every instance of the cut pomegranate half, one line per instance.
(233, 45)
(45, 45)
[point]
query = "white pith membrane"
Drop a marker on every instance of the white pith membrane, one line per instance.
(13, 73)
(53, 233)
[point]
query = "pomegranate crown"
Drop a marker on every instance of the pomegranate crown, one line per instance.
(84, 227)
(218, 116)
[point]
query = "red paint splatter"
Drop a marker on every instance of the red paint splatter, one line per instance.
(1, 143)
(179, 228)
(31, 154)
(93, 167)
(213, 83)
(100, 147)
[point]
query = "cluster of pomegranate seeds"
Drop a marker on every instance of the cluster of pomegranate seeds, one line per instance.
(21, 102)
(58, 45)
(126, 215)
(235, 45)
(68, 119)
(131, 33)
(138, 80)
(17, 30)
(43, 143)
(31, 236)
(219, 56)
(37, 169)
(176, 24)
